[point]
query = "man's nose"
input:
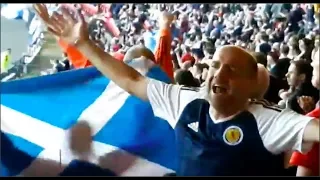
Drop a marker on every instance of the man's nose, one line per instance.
(287, 75)
(221, 73)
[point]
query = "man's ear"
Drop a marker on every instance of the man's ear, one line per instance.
(302, 77)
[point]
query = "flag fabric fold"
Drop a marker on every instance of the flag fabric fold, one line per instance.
(37, 113)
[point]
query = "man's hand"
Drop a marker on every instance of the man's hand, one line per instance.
(81, 139)
(69, 26)
(42, 11)
(166, 19)
(306, 103)
(284, 94)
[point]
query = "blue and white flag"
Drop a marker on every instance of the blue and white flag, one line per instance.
(150, 40)
(37, 113)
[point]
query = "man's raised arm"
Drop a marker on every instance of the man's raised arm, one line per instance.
(72, 28)
(162, 54)
(123, 75)
(167, 100)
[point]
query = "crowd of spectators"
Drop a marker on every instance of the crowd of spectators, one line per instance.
(282, 37)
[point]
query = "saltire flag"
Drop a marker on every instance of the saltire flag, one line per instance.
(151, 38)
(37, 113)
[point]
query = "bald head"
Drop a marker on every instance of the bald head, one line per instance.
(240, 58)
(232, 72)
(263, 82)
(138, 51)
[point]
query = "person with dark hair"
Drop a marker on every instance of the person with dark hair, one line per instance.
(263, 45)
(264, 37)
(185, 78)
(57, 65)
(197, 71)
(66, 62)
(295, 15)
(293, 44)
(276, 82)
(306, 47)
(299, 79)
(208, 47)
(284, 51)
(273, 58)
(261, 58)
(279, 70)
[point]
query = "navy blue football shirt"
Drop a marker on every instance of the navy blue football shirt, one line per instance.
(252, 142)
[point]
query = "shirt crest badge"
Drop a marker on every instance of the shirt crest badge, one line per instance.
(233, 135)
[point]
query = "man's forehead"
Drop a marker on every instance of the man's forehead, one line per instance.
(229, 53)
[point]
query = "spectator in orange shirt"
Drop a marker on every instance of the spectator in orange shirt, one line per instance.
(308, 164)
(75, 57)
(78, 60)
(162, 54)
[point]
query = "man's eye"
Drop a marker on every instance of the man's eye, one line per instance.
(233, 69)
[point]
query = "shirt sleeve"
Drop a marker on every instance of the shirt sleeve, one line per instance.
(309, 160)
(169, 100)
(281, 130)
(64, 46)
(162, 52)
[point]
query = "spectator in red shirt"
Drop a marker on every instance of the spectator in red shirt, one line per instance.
(187, 56)
(308, 164)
